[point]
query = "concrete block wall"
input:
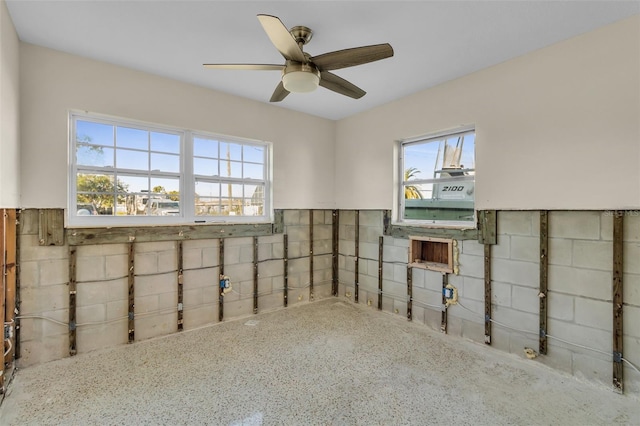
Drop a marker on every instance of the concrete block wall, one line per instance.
(102, 284)
(579, 306)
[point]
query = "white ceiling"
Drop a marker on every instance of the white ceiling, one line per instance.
(434, 41)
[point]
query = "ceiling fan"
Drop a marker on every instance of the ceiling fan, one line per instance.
(303, 73)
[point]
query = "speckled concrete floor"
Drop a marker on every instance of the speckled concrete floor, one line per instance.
(329, 363)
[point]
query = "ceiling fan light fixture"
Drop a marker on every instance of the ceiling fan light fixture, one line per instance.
(300, 81)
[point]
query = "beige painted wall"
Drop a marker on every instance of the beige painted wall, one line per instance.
(558, 128)
(9, 106)
(53, 82)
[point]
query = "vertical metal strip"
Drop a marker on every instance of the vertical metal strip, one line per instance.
(356, 290)
(618, 370)
(409, 293)
(380, 260)
(180, 288)
(444, 317)
(544, 274)
(72, 300)
(285, 261)
(335, 248)
(310, 255)
(255, 275)
(131, 293)
(220, 289)
(487, 294)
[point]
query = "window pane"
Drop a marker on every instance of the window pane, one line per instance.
(209, 206)
(134, 183)
(231, 190)
(253, 171)
(93, 155)
(205, 147)
(207, 189)
(254, 154)
(165, 142)
(230, 151)
(205, 167)
(165, 163)
(165, 185)
(230, 169)
(94, 133)
(134, 160)
(132, 138)
(449, 164)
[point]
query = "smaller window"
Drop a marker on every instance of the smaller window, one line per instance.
(437, 182)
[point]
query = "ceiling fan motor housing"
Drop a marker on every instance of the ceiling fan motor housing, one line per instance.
(300, 78)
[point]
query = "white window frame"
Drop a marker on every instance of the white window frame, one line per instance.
(398, 215)
(186, 177)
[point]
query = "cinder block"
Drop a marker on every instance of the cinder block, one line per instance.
(392, 253)
(55, 271)
(31, 250)
(270, 302)
(210, 295)
(144, 263)
(500, 294)
(453, 326)
(525, 299)
(560, 306)
(606, 226)
(90, 293)
(472, 247)
(433, 319)
(92, 313)
(417, 314)
(579, 334)
(155, 247)
(472, 311)
(581, 225)
(117, 310)
(99, 337)
(322, 232)
(239, 272)
(519, 341)
(418, 277)
(372, 218)
(500, 338)
(39, 328)
(593, 255)
(631, 263)
(146, 304)
(36, 352)
(50, 298)
(580, 282)
(471, 266)
(155, 325)
(401, 242)
(87, 268)
(297, 233)
(195, 317)
(631, 232)
(347, 217)
(102, 250)
(515, 272)
(167, 301)
(291, 217)
(29, 274)
(516, 319)
(370, 234)
(631, 321)
(433, 280)
(558, 357)
(514, 222)
(472, 288)
(246, 254)
(501, 250)
(211, 255)
(594, 313)
(155, 284)
(473, 330)
(631, 289)
(560, 251)
(592, 368)
(525, 248)
(116, 266)
(238, 309)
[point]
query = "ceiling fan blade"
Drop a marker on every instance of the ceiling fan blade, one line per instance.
(279, 94)
(340, 85)
(351, 57)
(281, 38)
(258, 67)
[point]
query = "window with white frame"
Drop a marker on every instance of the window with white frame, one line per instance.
(126, 172)
(437, 179)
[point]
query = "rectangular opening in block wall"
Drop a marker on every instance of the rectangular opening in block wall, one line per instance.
(431, 253)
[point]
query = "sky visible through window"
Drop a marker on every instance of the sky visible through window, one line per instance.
(423, 156)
